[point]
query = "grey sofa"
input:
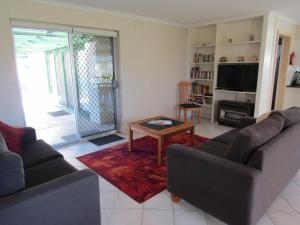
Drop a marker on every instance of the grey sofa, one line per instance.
(234, 188)
(55, 193)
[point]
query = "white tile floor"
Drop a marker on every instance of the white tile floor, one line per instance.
(118, 209)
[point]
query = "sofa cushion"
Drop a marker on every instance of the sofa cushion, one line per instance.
(250, 138)
(290, 116)
(227, 137)
(37, 152)
(212, 147)
(11, 173)
(13, 137)
(47, 171)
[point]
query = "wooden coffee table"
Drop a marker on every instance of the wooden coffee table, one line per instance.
(160, 133)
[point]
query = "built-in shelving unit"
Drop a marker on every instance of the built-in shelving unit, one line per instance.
(204, 105)
(205, 96)
(238, 92)
(239, 43)
(233, 39)
(244, 62)
(204, 46)
(294, 66)
(291, 86)
(203, 63)
(207, 80)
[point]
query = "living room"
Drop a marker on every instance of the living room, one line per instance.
(112, 150)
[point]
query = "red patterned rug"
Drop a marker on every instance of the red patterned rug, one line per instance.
(135, 173)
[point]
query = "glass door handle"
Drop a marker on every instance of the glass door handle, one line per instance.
(115, 84)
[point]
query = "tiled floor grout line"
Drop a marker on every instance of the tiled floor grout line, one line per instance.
(110, 215)
(267, 213)
(142, 214)
(112, 211)
(205, 217)
(173, 210)
(143, 208)
(288, 203)
(295, 183)
(174, 221)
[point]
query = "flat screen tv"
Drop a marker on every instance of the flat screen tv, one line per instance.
(237, 77)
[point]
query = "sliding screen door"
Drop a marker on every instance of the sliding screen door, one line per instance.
(95, 83)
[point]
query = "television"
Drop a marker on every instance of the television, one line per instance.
(237, 77)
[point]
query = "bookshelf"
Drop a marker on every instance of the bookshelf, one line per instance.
(208, 44)
(202, 66)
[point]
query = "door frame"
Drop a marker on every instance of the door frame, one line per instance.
(283, 68)
(69, 29)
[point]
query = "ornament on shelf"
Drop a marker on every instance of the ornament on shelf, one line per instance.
(205, 89)
(223, 59)
(203, 43)
(241, 59)
(296, 79)
(254, 58)
(251, 37)
(292, 58)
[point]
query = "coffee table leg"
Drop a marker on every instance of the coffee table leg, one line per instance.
(192, 136)
(160, 149)
(130, 134)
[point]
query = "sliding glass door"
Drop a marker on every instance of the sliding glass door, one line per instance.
(95, 83)
(76, 94)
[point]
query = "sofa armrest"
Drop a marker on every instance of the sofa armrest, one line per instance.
(29, 134)
(11, 173)
(70, 200)
(223, 188)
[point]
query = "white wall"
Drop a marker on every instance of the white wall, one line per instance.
(152, 58)
(10, 102)
(292, 95)
(273, 25)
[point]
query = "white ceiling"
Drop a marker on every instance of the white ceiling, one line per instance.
(191, 12)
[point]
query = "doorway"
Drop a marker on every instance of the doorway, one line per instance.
(67, 81)
(281, 65)
(44, 70)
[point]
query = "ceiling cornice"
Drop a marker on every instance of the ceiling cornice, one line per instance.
(287, 18)
(110, 12)
(155, 20)
(226, 20)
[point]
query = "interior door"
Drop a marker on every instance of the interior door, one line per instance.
(94, 72)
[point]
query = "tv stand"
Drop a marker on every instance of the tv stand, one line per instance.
(230, 113)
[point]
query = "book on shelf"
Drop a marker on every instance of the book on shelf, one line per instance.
(200, 89)
(196, 73)
(201, 58)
